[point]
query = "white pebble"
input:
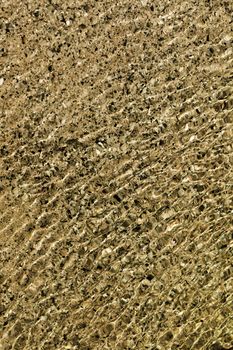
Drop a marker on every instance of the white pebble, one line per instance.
(106, 252)
(193, 138)
(1, 81)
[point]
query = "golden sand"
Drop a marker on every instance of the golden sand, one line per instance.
(116, 175)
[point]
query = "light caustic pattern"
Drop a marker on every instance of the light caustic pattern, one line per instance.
(116, 175)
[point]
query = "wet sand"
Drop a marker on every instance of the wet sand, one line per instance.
(116, 175)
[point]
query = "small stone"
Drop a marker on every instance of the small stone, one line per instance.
(167, 214)
(106, 252)
(193, 138)
(1, 81)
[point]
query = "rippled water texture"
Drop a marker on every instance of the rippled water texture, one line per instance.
(116, 175)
